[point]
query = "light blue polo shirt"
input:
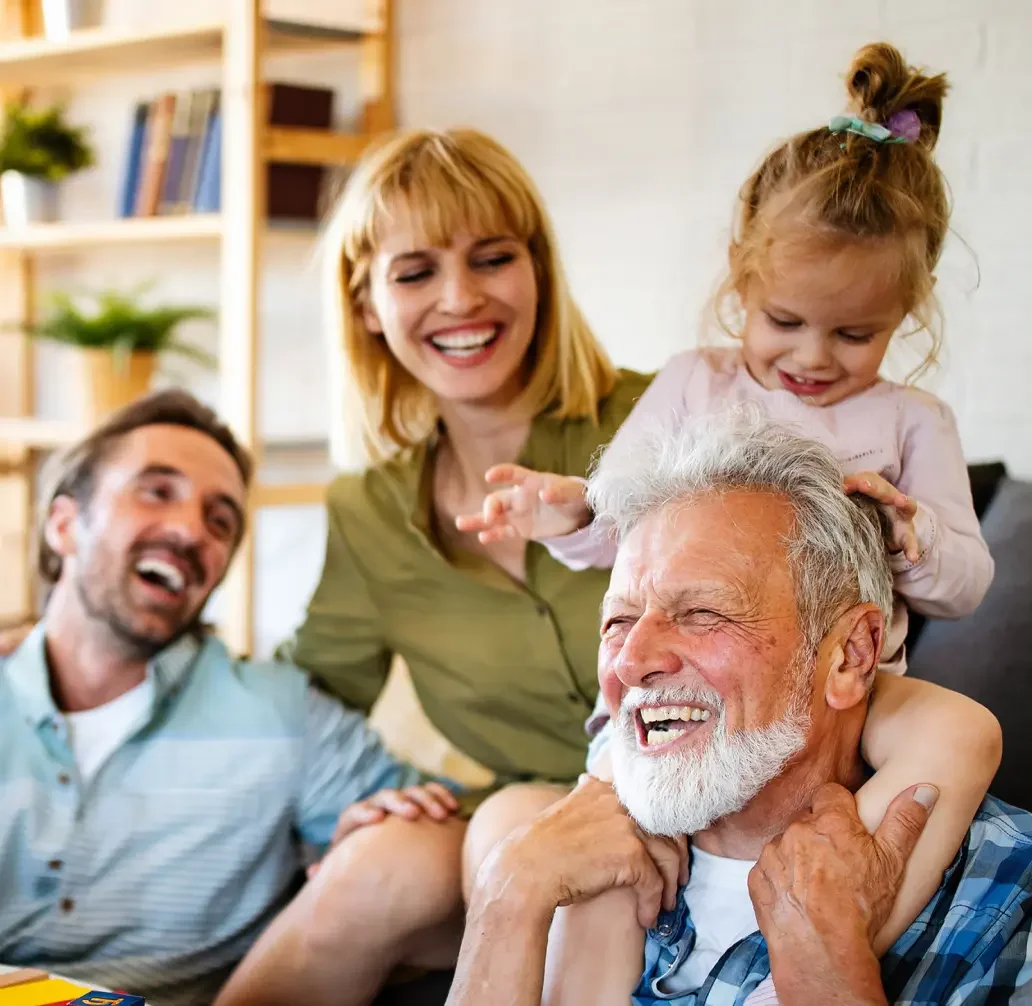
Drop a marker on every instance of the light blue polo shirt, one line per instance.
(158, 875)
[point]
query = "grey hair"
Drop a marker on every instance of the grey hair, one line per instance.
(836, 548)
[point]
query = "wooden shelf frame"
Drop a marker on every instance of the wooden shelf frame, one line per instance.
(43, 239)
(241, 42)
(25, 435)
(29, 433)
(104, 52)
(132, 231)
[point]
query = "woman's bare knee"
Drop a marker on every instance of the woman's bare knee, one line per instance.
(499, 816)
(389, 894)
(398, 876)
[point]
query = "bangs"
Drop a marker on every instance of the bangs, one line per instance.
(441, 190)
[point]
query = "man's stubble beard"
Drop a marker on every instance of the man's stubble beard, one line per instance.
(686, 791)
(106, 601)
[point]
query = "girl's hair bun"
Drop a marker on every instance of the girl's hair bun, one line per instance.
(881, 83)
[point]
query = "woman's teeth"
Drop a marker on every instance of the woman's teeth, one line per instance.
(463, 343)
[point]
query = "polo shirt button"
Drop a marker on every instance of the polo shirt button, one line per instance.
(55, 864)
(542, 610)
(64, 778)
(67, 904)
(573, 697)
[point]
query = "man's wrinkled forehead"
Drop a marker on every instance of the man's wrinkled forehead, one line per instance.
(724, 547)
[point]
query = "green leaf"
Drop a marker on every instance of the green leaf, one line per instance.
(39, 142)
(114, 320)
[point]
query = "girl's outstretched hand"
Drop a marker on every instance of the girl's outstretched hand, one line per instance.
(898, 509)
(532, 505)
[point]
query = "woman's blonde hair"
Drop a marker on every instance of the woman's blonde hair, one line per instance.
(448, 181)
(823, 187)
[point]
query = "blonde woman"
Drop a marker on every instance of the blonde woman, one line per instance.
(464, 350)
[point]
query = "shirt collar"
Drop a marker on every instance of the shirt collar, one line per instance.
(26, 670)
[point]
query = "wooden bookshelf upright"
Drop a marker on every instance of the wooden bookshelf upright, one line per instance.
(240, 43)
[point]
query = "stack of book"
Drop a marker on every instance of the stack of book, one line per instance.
(174, 158)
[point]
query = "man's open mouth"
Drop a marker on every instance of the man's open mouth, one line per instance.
(661, 725)
(161, 573)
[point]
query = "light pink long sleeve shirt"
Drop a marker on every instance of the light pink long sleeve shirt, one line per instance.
(907, 436)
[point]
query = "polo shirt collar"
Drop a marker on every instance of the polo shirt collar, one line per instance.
(29, 677)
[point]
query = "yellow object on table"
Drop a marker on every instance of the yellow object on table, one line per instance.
(41, 993)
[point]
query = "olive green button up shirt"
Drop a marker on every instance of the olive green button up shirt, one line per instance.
(506, 671)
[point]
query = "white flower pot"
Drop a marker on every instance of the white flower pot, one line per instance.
(62, 17)
(27, 200)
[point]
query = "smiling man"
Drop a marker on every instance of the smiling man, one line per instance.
(154, 792)
(740, 638)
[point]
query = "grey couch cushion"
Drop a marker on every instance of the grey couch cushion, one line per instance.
(988, 655)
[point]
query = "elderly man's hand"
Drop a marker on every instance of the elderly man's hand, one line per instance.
(582, 846)
(824, 888)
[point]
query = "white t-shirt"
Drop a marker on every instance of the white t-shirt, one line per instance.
(718, 899)
(95, 734)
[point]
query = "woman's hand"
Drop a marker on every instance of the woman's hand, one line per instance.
(533, 505)
(898, 509)
(431, 798)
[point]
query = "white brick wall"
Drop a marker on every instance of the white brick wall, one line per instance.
(640, 119)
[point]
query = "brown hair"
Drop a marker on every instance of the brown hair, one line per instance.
(448, 180)
(74, 472)
(832, 186)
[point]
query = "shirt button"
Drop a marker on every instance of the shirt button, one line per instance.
(55, 864)
(67, 904)
(573, 697)
(64, 778)
(542, 610)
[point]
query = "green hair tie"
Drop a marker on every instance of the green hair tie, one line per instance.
(872, 130)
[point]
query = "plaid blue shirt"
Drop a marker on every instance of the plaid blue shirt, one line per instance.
(970, 945)
(158, 875)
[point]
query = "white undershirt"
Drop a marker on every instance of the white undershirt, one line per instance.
(95, 734)
(717, 896)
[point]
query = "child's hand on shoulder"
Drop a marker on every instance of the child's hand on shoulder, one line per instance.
(898, 509)
(532, 505)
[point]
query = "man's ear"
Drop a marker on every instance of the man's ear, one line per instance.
(852, 648)
(59, 529)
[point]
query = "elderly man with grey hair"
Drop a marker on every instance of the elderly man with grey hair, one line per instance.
(740, 637)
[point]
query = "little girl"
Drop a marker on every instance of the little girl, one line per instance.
(838, 233)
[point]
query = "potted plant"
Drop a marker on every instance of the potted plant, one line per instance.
(120, 341)
(38, 149)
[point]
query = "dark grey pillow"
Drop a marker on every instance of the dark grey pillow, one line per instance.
(988, 655)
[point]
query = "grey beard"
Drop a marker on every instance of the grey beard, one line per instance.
(686, 791)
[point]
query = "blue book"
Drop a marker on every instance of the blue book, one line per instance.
(131, 181)
(178, 141)
(95, 998)
(208, 196)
